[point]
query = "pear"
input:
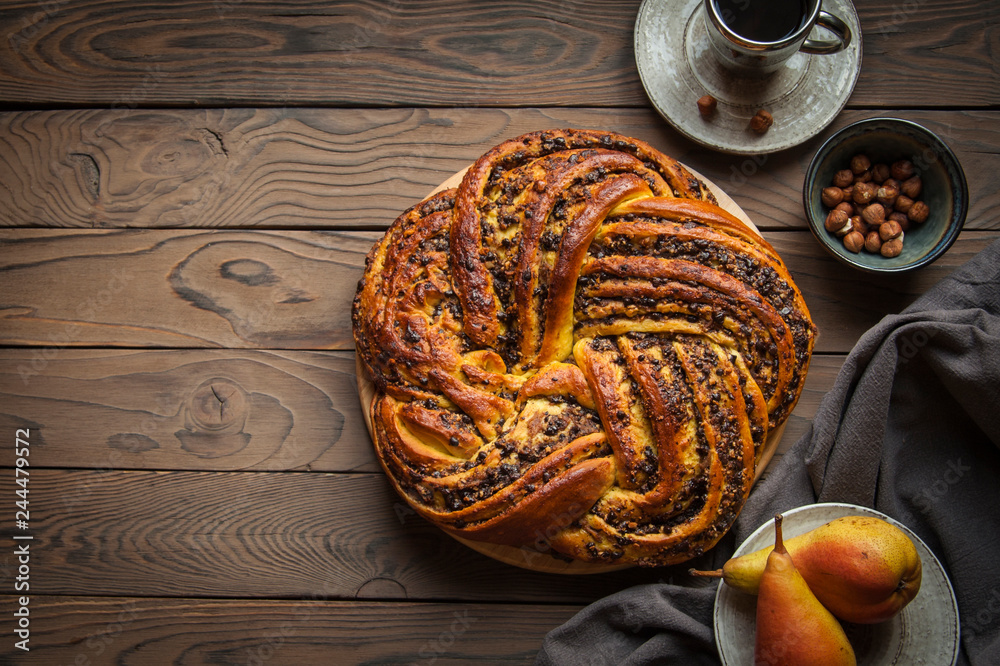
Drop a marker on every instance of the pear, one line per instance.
(863, 569)
(793, 627)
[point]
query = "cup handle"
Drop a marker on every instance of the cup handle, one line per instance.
(834, 25)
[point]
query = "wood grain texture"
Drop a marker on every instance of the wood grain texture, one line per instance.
(272, 289)
(554, 53)
(293, 289)
(823, 370)
(360, 168)
(265, 535)
(231, 52)
(187, 409)
(131, 631)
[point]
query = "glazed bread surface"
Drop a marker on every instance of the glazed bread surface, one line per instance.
(578, 350)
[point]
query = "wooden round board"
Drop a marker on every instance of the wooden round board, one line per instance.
(537, 559)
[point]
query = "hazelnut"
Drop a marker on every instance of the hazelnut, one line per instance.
(873, 242)
(918, 212)
(761, 122)
(843, 178)
(863, 193)
(880, 172)
(892, 248)
(706, 105)
(901, 170)
(889, 230)
(912, 187)
(886, 195)
(873, 214)
(845, 206)
(860, 163)
(835, 220)
(874, 205)
(901, 218)
(832, 196)
(854, 241)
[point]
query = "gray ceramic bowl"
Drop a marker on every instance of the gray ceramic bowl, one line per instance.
(887, 140)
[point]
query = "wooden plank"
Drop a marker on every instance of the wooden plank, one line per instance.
(359, 53)
(204, 410)
(948, 42)
(130, 631)
(283, 410)
(360, 168)
(230, 53)
(823, 370)
(293, 289)
(264, 535)
(275, 289)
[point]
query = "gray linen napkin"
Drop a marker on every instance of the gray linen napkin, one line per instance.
(910, 428)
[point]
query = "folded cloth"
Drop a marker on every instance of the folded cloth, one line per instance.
(910, 428)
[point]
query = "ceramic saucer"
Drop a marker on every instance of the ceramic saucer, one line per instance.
(925, 632)
(675, 63)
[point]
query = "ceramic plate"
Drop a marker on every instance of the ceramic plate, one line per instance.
(676, 66)
(925, 632)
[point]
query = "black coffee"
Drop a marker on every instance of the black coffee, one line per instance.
(762, 20)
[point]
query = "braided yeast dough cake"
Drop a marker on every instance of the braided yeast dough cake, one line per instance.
(577, 349)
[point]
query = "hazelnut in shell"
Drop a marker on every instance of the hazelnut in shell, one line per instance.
(845, 206)
(707, 105)
(843, 178)
(918, 212)
(860, 163)
(880, 172)
(886, 195)
(761, 121)
(892, 248)
(912, 187)
(889, 230)
(873, 214)
(836, 220)
(901, 170)
(863, 193)
(854, 241)
(873, 242)
(831, 196)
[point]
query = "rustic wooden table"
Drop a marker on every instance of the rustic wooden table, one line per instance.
(188, 191)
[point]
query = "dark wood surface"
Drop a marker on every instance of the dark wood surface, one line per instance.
(187, 193)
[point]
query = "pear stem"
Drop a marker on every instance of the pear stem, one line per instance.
(705, 574)
(779, 544)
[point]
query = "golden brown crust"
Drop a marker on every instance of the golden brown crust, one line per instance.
(578, 349)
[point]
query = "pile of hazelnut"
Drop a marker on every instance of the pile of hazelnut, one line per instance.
(872, 207)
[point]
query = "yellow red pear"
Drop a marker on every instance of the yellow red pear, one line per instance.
(862, 568)
(793, 627)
